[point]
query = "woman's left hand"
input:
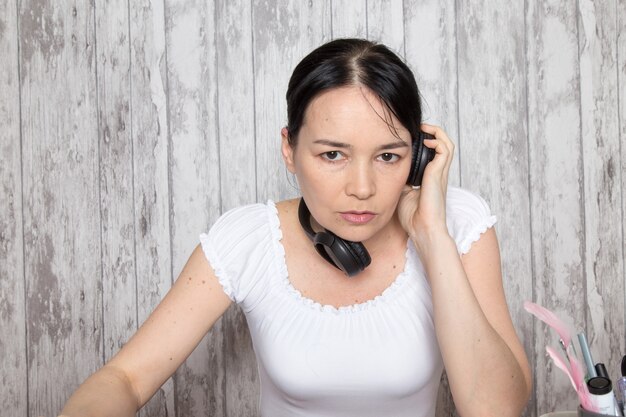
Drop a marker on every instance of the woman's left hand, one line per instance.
(422, 211)
(470, 315)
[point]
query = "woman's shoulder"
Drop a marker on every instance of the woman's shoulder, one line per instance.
(468, 216)
(240, 247)
(252, 216)
(463, 200)
(247, 215)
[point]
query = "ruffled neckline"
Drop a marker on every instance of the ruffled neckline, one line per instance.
(385, 296)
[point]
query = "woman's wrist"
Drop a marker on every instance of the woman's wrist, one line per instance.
(431, 240)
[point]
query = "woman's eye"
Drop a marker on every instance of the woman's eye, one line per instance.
(388, 157)
(332, 155)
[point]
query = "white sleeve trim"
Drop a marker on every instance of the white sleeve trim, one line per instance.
(475, 234)
(220, 273)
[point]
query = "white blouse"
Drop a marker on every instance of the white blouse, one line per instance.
(377, 358)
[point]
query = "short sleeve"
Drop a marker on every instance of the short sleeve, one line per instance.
(238, 248)
(467, 216)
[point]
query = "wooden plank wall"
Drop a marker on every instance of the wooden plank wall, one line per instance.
(127, 127)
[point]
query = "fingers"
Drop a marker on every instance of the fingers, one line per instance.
(440, 137)
(443, 146)
(407, 206)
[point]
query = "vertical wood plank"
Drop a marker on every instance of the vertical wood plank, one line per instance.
(385, 23)
(621, 77)
(149, 126)
(61, 212)
(348, 18)
(284, 32)
(13, 371)
(493, 136)
(555, 194)
(236, 103)
(430, 39)
(116, 175)
(195, 176)
(604, 262)
(237, 149)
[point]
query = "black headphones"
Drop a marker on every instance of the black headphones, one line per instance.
(352, 257)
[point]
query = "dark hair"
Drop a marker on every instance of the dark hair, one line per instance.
(344, 62)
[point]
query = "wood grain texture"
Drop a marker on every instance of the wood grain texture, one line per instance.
(195, 175)
(236, 102)
(348, 18)
(431, 52)
(599, 104)
(556, 194)
(621, 78)
(13, 368)
(116, 175)
(493, 137)
(284, 32)
(61, 204)
(385, 23)
(151, 170)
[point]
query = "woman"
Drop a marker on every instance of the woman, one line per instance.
(361, 329)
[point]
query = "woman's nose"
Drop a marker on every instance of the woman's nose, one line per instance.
(361, 180)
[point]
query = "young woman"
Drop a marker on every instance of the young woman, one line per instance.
(342, 328)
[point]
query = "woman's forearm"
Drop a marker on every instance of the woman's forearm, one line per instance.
(485, 376)
(108, 392)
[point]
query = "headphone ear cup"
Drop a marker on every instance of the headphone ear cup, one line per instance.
(360, 254)
(350, 257)
(416, 154)
(420, 157)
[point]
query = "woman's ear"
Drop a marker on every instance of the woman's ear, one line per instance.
(287, 150)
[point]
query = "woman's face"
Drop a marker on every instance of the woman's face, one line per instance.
(350, 166)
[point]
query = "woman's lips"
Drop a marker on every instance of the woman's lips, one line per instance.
(357, 217)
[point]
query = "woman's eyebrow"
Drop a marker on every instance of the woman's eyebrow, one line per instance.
(332, 143)
(394, 145)
(335, 144)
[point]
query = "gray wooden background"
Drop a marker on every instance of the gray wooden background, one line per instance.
(127, 127)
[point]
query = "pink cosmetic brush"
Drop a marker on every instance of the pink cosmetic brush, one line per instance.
(574, 371)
